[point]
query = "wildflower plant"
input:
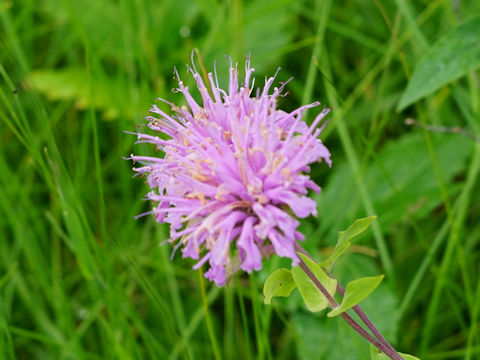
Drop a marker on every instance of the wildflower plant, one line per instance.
(232, 179)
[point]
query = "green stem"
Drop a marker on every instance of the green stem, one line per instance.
(246, 332)
(213, 339)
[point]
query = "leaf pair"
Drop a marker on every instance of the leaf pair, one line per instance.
(313, 297)
(283, 281)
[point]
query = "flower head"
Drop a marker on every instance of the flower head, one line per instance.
(234, 170)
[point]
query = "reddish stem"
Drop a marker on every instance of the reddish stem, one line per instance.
(379, 341)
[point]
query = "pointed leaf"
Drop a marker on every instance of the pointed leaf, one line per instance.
(344, 238)
(279, 283)
(356, 291)
(375, 354)
(314, 299)
(355, 229)
(448, 59)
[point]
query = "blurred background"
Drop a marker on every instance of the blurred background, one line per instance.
(81, 279)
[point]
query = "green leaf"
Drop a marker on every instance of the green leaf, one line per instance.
(320, 338)
(356, 291)
(375, 354)
(70, 84)
(313, 298)
(355, 229)
(401, 181)
(409, 357)
(279, 283)
(448, 59)
(344, 237)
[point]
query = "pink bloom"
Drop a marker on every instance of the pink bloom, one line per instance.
(234, 170)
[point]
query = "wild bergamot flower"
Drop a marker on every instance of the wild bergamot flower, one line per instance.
(233, 173)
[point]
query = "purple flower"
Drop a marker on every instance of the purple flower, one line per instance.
(233, 171)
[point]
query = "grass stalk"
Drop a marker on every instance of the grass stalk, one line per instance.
(208, 320)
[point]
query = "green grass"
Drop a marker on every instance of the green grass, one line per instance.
(81, 279)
